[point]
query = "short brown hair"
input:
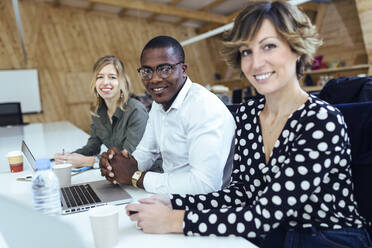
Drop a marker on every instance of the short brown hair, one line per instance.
(126, 89)
(291, 24)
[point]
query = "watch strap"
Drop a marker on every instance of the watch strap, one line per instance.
(136, 176)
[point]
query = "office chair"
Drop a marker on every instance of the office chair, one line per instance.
(358, 118)
(10, 114)
(347, 90)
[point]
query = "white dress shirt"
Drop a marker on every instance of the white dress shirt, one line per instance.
(195, 139)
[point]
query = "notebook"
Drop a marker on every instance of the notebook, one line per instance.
(81, 197)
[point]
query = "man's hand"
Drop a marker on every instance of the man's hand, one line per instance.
(105, 167)
(116, 167)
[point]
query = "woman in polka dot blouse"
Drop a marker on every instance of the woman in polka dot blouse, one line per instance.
(292, 152)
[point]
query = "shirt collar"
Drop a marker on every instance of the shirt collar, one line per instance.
(102, 111)
(181, 95)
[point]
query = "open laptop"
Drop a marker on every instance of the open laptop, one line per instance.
(81, 197)
(18, 228)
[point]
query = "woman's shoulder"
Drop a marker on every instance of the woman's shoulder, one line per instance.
(320, 113)
(320, 109)
(134, 104)
(251, 105)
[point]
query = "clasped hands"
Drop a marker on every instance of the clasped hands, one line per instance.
(118, 167)
(154, 214)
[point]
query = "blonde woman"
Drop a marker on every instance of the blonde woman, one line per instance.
(291, 175)
(117, 118)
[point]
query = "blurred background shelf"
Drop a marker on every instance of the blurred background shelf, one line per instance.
(363, 67)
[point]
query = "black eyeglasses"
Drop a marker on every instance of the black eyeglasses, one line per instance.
(163, 71)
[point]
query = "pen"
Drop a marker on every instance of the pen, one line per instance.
(28, 178)
(63, 153)
(82, 169)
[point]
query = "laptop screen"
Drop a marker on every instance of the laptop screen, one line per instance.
(30, 158)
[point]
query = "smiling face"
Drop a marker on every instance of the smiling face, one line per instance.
(163, 90)
(107, 83)
(267, 61)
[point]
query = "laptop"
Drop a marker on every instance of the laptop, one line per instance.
(81, 197)
(18, 228)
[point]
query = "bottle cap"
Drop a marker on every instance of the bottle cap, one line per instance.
(42, 164)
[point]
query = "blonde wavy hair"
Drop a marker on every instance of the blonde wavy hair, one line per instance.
(292, 25)
(126, 89)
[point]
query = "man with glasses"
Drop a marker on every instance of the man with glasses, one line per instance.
(188, 126)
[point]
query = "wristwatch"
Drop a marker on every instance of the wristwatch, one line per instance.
(96, 162)
(136, 176)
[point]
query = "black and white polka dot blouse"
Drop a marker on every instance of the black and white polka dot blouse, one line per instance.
(306, 183)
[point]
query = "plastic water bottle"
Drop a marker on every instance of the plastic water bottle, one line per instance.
(45, 189)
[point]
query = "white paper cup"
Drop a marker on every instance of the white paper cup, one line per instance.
(104, 221)
(15, 159)
(63, 173)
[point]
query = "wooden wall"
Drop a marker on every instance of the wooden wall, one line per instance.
(63, 43)
(364, 8)
(341, 34)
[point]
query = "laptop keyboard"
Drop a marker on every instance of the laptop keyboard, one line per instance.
(79, 195)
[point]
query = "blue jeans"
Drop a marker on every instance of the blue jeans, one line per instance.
(328, 238)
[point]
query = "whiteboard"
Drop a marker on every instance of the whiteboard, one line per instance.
(21, 86)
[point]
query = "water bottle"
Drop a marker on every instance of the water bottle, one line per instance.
(45, 189)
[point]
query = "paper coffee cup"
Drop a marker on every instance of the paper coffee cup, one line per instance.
(15, 159)
(104, 221)
(63, 173)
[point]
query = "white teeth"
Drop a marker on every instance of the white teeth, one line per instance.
(263, 76)
(158, 89)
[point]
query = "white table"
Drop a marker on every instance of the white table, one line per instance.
(71, 137)
(43, 139)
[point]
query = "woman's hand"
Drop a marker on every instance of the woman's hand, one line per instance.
(77, 160)
(153, 216)
(163, 198)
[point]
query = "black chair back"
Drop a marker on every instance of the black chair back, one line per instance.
(347, 90)
(358, 118)
(10, 114)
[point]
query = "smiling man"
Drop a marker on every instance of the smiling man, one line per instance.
(188, 126)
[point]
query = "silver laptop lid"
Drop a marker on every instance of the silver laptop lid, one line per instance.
(28, 155)
(19, 228)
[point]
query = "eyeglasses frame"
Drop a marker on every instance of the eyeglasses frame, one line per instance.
(156, 70)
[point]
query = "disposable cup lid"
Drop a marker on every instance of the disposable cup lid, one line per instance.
(14, 153)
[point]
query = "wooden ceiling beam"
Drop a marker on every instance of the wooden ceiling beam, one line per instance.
(56, 2)
(153, 16)
(122, 12)
(320, 14)
(166, 10)
(309, 6)
(90, 7)
(211, 26)
(205, 8)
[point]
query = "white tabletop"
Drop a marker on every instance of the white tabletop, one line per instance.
(129, 236)
(43, 139)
